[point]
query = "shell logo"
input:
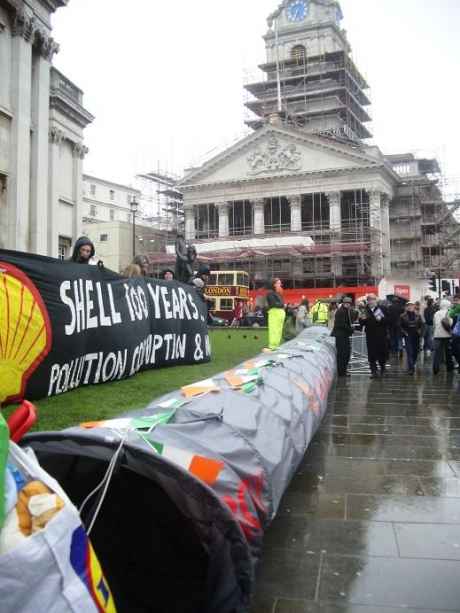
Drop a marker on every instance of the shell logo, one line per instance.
(25, 332)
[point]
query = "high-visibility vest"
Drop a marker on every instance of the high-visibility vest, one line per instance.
(320, 313)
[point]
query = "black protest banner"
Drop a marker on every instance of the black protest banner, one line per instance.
(63, 325)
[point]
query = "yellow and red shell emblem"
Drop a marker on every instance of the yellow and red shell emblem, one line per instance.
(25, 332)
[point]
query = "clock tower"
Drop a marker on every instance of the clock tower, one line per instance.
(310, 78)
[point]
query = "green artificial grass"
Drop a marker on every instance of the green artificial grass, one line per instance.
(97, 402)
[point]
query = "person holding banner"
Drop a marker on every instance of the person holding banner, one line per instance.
(167, 274)
(133, 270)
(83, 251)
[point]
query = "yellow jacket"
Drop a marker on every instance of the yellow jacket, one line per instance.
(320, 313)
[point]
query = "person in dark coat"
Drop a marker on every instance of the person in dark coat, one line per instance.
(374, 320)
(428, 318)
(413, 329)
(83, 251)
(343, 331)
(395, 310)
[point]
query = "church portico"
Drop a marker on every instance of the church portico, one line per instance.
(341, 214)
(344, 230)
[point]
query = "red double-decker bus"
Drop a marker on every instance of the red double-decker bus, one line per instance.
(224, 289)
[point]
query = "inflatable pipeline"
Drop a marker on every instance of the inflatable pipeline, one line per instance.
(193, 489)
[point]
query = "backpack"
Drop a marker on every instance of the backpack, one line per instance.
(456, 328)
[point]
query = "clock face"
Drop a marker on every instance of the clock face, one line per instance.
(297, 10)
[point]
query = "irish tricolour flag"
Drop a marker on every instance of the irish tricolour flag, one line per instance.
(205, 469)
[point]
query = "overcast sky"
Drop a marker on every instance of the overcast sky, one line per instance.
(165, 79)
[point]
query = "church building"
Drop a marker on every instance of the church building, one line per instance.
(303, 197)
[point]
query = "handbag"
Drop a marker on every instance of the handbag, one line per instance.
(55, 569)
(445, 323)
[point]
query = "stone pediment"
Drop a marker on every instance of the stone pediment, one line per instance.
(276, 152)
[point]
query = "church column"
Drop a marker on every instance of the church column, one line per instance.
(375, 223)
(21, 95)
(259, 216)
(224, 221)
(296, 213)
(190, 232)
(40, 146)
(386, 237)
(335, 224)
(335, 211)
(56, 137)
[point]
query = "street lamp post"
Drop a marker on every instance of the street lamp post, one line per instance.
(134, 207)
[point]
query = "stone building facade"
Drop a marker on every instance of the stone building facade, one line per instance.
(282, 185)
(42, 119)
(105, 201)
(304, 197)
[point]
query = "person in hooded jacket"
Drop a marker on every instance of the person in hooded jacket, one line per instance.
(167, 274)
(374, 320)
(83, 251)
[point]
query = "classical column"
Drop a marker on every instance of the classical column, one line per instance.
(21, 95)
(335, 211)
(296, 213)
(259, 216)
(40, 148)
(335, 224)
(386, 236)
(224, 221)
(190, 232)
(56, 138)
(79, 151)
(375, 223)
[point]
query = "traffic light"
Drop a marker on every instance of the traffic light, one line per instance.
(433, 284)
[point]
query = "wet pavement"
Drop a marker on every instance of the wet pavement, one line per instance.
(371, 521)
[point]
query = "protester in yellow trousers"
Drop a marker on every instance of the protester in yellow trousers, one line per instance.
(276, 314)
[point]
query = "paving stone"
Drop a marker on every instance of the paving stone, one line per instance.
(403, 509)
(332, 536)
(434, 541)
(284, 573)
(417, 583)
